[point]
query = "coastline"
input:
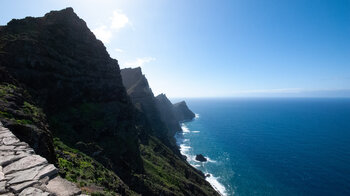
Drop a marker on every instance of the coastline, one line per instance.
(185, 149)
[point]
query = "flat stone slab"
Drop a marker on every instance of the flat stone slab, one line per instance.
(62, 187)
(31, 191)
(7, 194)
(2, 186)
(25, 163)
(5, 160)
(48, 170)
(7, 148)
(6, 134)
(22, 173)
(25, 175)
(19, 187)
(2, 175)
(9, 140)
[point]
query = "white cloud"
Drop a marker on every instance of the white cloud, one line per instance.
(119, 20)
(139, 62)
(103, 33)
(119, 50)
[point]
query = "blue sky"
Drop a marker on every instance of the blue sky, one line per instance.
(210, 48)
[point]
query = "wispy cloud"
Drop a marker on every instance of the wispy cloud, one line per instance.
(105, 32)
(139, 62)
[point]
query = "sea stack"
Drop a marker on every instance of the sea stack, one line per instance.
(201, 158)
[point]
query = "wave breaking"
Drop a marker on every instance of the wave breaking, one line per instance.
(186, 150)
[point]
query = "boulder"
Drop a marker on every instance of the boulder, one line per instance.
(201, 158)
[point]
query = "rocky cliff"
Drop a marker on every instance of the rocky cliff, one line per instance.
(163, 115)
(182, 112)
(62, 94)
(173, 114)
(143, 99)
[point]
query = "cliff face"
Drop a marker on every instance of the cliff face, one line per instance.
(58, 81)
(168, 116)
(173, 114)
(182, 112)
(142, 98)
(163, 115)
(69, 74)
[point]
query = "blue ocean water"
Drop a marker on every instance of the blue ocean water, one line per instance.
(298, 146)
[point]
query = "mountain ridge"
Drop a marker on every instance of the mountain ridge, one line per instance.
(65, 96)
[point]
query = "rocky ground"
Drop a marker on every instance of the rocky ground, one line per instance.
(22, 172)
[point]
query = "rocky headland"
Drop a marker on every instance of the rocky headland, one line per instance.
(63, 95)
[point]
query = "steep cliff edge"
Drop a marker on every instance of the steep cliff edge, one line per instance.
(163, 115)
(168, 116)
(143, 99)
(58, 81)
(173, 114)
(182, 112)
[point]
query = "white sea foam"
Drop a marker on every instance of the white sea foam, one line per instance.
(196, 116)
(210, 160)
(216, 184)
(185, 150)
(184, 128)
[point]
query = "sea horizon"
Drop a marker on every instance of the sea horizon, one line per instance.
(239, 168)
(175, 98)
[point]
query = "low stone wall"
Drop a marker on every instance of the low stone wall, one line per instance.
(23, 173)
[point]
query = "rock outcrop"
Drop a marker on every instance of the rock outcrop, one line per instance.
(167, 113)
(63, 94)
(201, 158)
(182, 112)
(143, 99)
(173, 114)
(24, 173)
(163, 115)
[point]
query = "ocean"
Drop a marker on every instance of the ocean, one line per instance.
(271, 146)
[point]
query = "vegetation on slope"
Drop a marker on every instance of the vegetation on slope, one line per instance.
(67, 76)
(167, 174)
(92, 177)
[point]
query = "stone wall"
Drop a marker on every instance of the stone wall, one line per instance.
(23, 173)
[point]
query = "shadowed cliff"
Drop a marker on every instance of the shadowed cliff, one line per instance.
(58, 81)
(164, 116)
